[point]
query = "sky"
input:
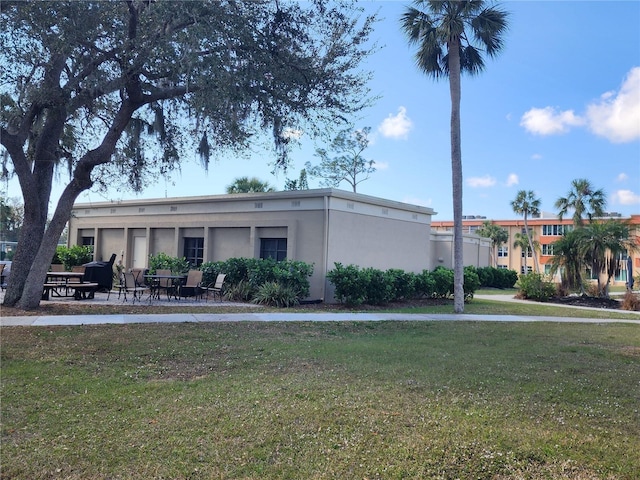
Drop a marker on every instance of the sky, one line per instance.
(561, 102)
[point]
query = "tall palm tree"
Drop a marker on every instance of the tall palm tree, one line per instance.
(582, 199)
(527, 204)
(522, 241)
(447, 33)
(497, 234)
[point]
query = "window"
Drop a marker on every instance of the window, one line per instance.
(275, 248)
(547, 249)
(194, 250)
(504, 267)
(503, 251)
(529, 270)
(556, 230)
(529, 253)
(89, 242)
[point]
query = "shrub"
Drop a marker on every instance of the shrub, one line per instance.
(443, 278)
(275, 295)
(349, 284)
(162, 261)
(294, 274)
(73, 256)
(403, 284)
(631, 302)
(486, 276)
(504, 278)
(378, 289)
(425, 284)
(534, 287)
(471, 281)
(240, 292)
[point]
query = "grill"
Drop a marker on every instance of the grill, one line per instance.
(100, 273)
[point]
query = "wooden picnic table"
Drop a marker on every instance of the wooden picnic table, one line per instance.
(68, 284)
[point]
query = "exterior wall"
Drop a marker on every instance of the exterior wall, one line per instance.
(541, 228)
(476, 250)
(321, 227)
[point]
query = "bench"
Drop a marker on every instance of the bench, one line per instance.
(80, 290)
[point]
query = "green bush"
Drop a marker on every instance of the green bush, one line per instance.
(443, 282)
(275, 295)
(471, 281)
(378, 290)
(73, 256)
(403, 284)
(349, 284)
(534, 287)
(162, 261)
(425, 284)
(505, 278)
(244, 276)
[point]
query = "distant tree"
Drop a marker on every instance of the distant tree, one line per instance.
(526, 243)
(583, 199)
(497, 234)
(344, 161)
(249, 185)
(118, 91)
(299, 184)
(446, 33)
(11, 218)
(527, 204)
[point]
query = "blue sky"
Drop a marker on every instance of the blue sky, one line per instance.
(562, 101)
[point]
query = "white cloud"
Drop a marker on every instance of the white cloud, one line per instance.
(396, 126)
(616, 116)
(380, 165)
(481, 182)
(512, 180)
(536, 156)
(625, 197)
(549, 121)
(623, 177)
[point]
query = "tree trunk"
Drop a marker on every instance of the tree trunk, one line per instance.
(456, 174)
(533, 252)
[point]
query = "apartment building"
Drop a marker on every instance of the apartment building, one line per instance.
(546, 229)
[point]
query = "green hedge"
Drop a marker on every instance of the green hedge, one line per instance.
(356, 286)
(246, 276)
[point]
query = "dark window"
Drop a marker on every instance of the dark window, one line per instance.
(88, 242)
(275, 248)
(194, 250)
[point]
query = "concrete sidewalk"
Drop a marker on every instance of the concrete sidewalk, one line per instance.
(259, 316)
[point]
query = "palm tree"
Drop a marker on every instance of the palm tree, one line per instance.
(527, 204)
(568, 259)
(249, 185)
(527, 245)
(582, 198)
(602, 245)
(497, 234)
(444, 31)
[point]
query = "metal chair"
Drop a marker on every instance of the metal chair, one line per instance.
(130, 286)
(192, 287)
(216, 287)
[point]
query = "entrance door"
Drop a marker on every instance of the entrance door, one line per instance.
(139, 252)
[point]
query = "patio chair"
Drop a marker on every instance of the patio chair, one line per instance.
(130, 286)
(216, 287)
(192, 287)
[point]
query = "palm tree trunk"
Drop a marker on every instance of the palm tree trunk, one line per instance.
(533, 252)
(456, 174)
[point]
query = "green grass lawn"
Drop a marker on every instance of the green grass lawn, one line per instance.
(349, 400)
